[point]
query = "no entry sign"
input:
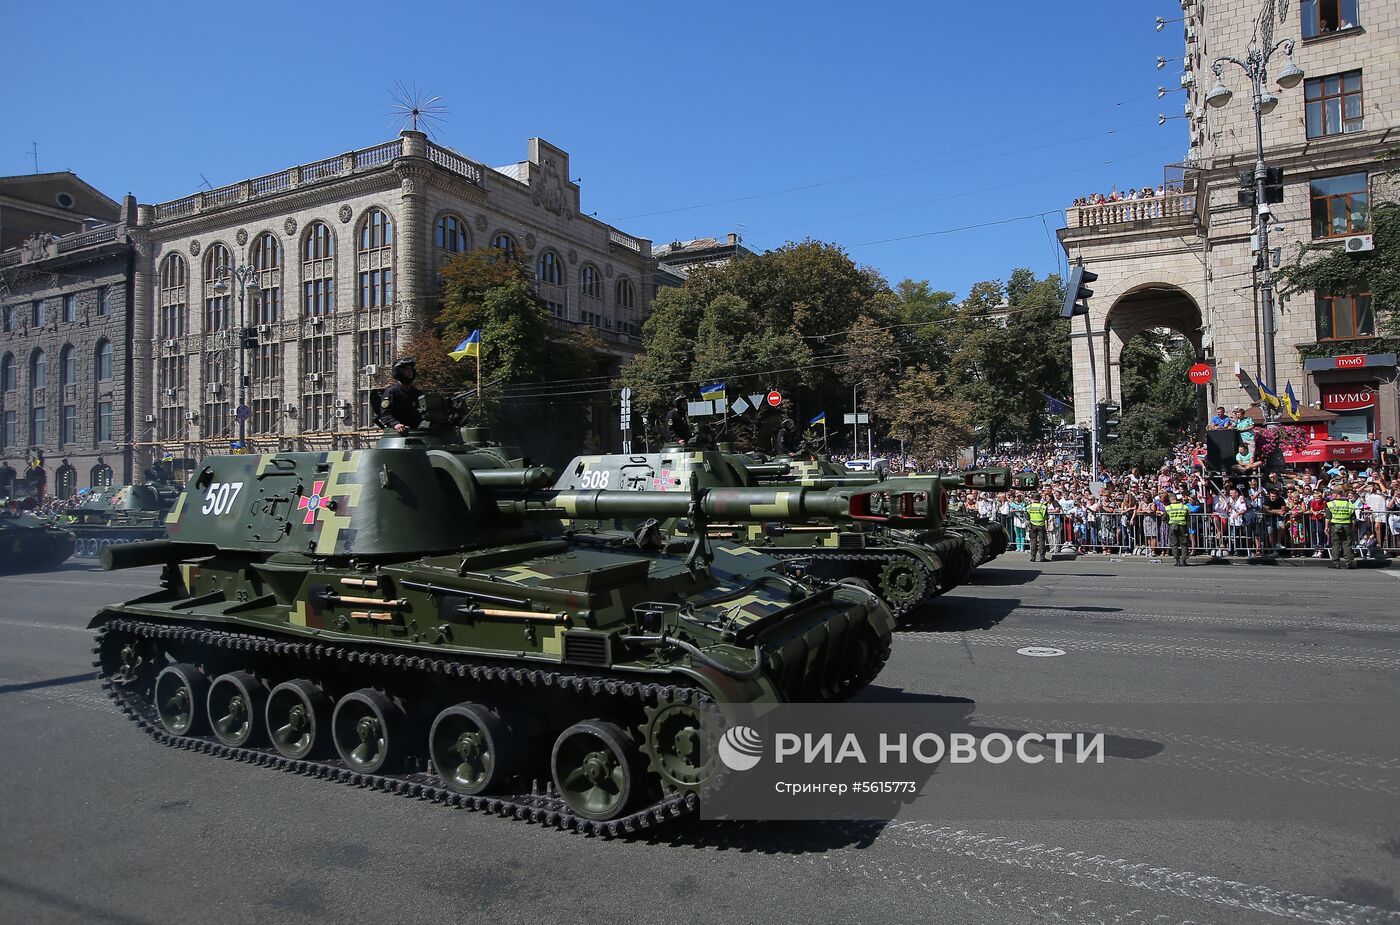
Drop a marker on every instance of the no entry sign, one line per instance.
(774, 399)
(1200, 374)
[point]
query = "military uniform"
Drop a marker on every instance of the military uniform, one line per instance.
(1179, 531)
(677, 426)
(1342, 515)
(399, 405)
(1038, 516)
(785, 440)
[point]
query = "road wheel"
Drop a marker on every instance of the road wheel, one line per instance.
(369, 730)
(179, 697)
(904, 584)
(298, 719)
(472, 750)
(595, 767)
(236, 702)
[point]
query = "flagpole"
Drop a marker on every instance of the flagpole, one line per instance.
(480, 407)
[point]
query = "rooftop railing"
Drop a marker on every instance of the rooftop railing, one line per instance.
(1170, 206)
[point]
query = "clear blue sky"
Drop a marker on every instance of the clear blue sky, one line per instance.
(846, 122)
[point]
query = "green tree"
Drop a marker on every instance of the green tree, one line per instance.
(925, 414)
(1145, 439)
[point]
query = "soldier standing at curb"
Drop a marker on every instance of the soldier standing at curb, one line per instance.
(1178, 531)
(1341, 515)
(1037, 514)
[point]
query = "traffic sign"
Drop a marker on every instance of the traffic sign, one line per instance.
(862, 418)
(738, 406)
(1201, 373)
(243, 412)
(774, 399)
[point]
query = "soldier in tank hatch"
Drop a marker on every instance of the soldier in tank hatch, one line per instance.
(677, 423)
(398, 407)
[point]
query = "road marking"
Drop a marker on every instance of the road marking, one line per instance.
(1389, 573)
(95, 580)
(1119, 872)
(33, 624)
(1040, 651)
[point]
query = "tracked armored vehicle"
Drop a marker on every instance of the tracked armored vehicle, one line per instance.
(28, 544)
(411, 618)
(119, 514)
(905, 562)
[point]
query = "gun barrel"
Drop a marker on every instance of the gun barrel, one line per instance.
(151, 552)
(767, 470)
(533, 477)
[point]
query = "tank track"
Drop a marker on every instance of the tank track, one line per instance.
(543, 808)
(900, 611)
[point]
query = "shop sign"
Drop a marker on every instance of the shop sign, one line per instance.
(1351, 396)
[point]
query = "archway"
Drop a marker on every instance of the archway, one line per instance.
(1145, 308)
(65, 482)
(7, 481)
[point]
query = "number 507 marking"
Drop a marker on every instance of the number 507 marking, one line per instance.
(218, 500)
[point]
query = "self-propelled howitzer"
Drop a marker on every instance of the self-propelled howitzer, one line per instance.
(387, 617)
(888, 535)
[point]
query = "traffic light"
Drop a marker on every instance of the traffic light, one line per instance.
(1246, 194)
(1273, 184)
(1107, 421)
(250, 338)
(1084, 450)
(1076, 292)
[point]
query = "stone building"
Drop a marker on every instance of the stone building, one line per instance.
(343, 255)
(55, 204)
(674, 261)
(66, 325)
(1184, 260)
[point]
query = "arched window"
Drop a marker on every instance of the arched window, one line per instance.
(375, 260)
(67, 365)
(174, 280)
(102, 367)
(504, 242)
(626, 299)
(66, 481)
(318, 270)
(7, 373)
(38, 369)
(452, 235)
(101, 476)
(550, 271)
(218, 299)
(590, 283)
(267, 261)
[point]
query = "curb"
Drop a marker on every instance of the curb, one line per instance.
(1194, 561)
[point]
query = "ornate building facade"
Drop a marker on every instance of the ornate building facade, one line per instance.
(1186, 260)
(67, 414)
(341, 261)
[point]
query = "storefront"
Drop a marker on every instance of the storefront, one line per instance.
(1360, 390)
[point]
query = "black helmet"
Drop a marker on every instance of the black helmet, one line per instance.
(400, 364)
(679, 401)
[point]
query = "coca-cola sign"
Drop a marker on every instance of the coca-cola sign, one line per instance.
(1348, 396)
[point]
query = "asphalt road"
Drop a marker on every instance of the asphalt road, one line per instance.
(100, 824)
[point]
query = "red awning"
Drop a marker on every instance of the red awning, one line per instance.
(1330, 451)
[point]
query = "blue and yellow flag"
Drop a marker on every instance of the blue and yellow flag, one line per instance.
(1269, 395)
(712, 392)
(819, 419)
(1291, 402)
(470, 347)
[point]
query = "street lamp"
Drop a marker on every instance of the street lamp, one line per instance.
(246, 278)
(1255, 66)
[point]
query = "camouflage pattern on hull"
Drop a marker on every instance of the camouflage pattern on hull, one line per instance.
(28, 544)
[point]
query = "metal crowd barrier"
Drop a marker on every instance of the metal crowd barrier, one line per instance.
(1211, 534)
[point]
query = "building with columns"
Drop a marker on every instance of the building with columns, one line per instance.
(1185, 260)
(343, 255)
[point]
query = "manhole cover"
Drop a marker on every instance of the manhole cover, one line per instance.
(1040, 651)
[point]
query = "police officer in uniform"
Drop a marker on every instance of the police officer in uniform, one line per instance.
(1179, 530)
(677, 423)
(1341, 515)
(398, 406)
(1038, 516)
(785, 440)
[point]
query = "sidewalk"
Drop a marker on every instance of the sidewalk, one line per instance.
(1299, 561)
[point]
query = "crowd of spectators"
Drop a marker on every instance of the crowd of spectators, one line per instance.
(1145, 192)
(1253, 514)
(49, 506)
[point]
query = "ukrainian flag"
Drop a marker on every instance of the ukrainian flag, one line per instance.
(1291, 401)
(819, 419)
(470, 347)
(712, 392)
(1269, 395)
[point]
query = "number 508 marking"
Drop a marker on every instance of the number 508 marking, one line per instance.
(218, 500)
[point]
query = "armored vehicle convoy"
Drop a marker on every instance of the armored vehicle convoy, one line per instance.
(119, 514)
(28, 544)
(906, 562)
(411, 618)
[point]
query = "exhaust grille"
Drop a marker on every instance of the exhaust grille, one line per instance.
(850, 541)
(586, 648)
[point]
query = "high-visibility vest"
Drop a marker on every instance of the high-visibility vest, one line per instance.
(1176, 514)
(1035, 512)
(1341, 511)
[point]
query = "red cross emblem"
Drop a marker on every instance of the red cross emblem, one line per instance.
(314, 503)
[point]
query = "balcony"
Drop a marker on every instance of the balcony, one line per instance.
(1169, 208)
